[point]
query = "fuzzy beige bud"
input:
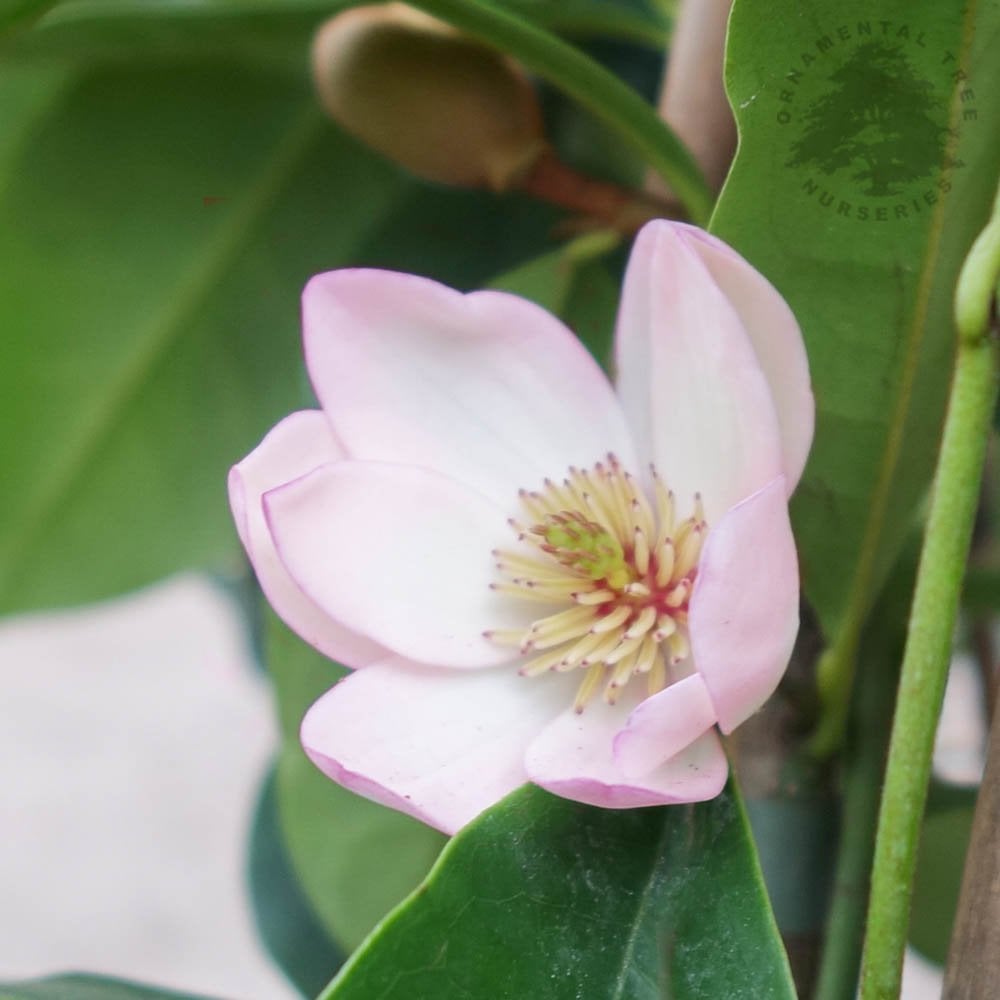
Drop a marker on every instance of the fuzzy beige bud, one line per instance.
(440, 104)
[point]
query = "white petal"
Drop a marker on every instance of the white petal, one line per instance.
(664, 725)
(300, 443)
(696, 398)
(744, 612)
(401, 555)
(776, 339)
(441, 745)
(486, 388)
(574, 757)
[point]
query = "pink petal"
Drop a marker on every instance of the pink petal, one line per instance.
(663, 725)
(441, 745)
(486, 388)
(574, 757)
(300, 443)
(776, 338)
(689, 379)
(745, 607)
(401, 555)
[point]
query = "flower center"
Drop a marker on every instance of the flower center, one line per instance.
(617, 572)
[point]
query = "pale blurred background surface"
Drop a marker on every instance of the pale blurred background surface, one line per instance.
(133, 737)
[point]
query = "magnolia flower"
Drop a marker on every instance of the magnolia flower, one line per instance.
(537, 577)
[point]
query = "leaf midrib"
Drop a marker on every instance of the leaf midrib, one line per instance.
(161, 336)
(861, 592)
(641, 910)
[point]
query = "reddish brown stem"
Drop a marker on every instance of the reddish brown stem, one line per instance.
(552, 180)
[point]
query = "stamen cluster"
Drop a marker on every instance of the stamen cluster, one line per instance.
(624, 566)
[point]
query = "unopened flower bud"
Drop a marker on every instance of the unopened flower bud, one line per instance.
(440, 104)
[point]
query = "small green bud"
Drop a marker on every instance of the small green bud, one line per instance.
(442, 105)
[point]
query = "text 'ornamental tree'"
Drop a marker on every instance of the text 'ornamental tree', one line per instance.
(881, 117)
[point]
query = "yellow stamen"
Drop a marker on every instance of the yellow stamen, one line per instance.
(688, 547)
(664, 562)
(613, 619)
(593, 596)
(580, 649)
(628, 645)
(616, 569)
(647, 655)
(640, 551)
(657, 675)
(602, 649)
(541, 664)
(679, 647)
(643, 623)
(523, 592)
(621, 675)
(591, 681)
(504, 636)
(555, 623)
(678, 594)
(666, 625)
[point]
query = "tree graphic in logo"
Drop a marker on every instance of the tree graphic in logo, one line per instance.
(880, 118)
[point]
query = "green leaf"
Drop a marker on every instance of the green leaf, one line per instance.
(15, 15)
(145, 206)
(285, 920)
(254, 31)
(862, 223)
(943, 846)
(981, 593)
(550, 899)
(796, 836)
(157, 224)
(633, 22)
(268, 30)
(84, 987)
(355, 860)
(576, 284)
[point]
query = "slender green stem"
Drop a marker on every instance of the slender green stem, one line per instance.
(864, 762)
(932, 619)
(835, 678)
(590, 84)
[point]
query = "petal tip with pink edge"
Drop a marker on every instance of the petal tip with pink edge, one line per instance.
(744, 613)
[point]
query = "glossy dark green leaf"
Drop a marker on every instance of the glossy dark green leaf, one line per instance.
(549, 899)
(157, 224)
(981, 591)
(266, 30)
(796, 836)
(868, 156)
(16, 15)
(258, 31)
(355, 860)
(942, 796)
(85, 987)
(577, 284)
(286, 921)
(943, 845)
